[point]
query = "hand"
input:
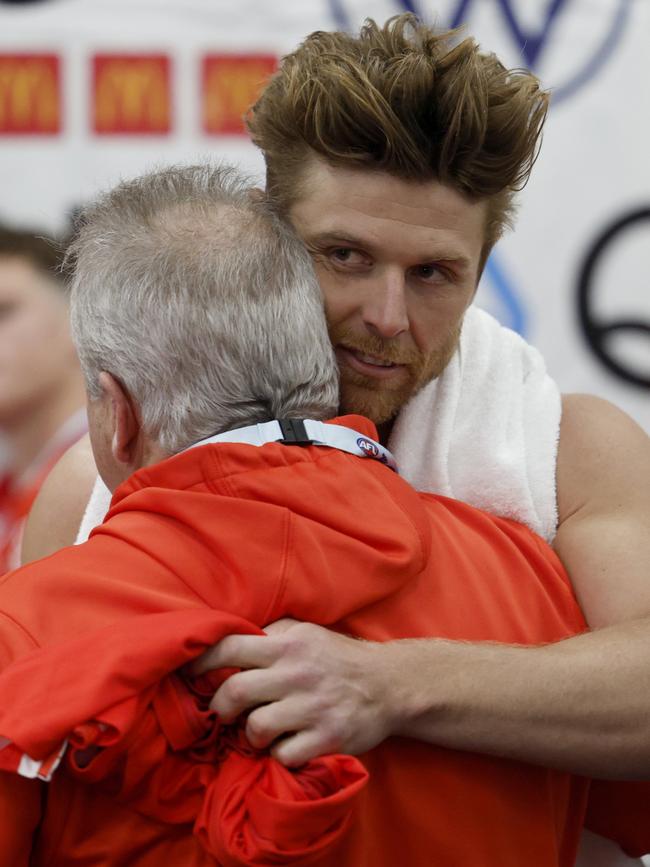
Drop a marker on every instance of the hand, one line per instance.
(317, 690)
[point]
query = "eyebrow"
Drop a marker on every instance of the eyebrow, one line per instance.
(344, 239)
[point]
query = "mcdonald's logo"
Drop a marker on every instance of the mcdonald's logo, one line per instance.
(30, 94)
(231, 84)
(131, 94)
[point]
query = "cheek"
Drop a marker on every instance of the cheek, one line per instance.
(332, 299)
(34, 333)
(340, 297)
(435, 321)
(25, 351)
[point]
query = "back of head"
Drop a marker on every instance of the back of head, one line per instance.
(407, 100)
(202, 303)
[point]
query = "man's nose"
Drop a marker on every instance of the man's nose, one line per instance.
(384, 311)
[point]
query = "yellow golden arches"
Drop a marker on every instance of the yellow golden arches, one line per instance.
(30, 100)
(231, 84)
(132, 94)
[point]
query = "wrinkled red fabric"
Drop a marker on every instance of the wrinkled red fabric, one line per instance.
(252, 535)
(140, 733)
(259, 813)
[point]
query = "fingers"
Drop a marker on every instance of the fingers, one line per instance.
(300, 748)
(269, 722)
(246, 651)
(246, 690)
(236, 651)
(287, 724)
(280, 626)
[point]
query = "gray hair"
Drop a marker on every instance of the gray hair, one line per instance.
(203, 303)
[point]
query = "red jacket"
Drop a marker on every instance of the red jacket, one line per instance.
(150, 741)
(323, 536)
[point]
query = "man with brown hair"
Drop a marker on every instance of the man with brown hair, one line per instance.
(396, 155)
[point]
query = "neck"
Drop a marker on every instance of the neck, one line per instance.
(28, 434)
(145, 453)
(384, 430)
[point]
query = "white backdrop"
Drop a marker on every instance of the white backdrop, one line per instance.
(592, 173)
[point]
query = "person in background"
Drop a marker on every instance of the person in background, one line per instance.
(41, 387)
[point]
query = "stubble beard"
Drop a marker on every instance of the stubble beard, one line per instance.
(373, 398)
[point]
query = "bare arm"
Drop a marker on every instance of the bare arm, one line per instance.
(582, 704)
(59, 507)
(604, 503)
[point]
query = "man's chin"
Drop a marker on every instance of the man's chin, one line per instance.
(380, 407)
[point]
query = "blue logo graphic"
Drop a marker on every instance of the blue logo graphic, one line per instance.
(372, 450)
(511, 309)
(368, 447)
(530, 45)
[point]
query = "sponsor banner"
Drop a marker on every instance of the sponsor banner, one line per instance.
(231, 84)
(131, 94)
(30, 94)
(571, 277)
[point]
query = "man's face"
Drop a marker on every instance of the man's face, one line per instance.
(398, 264)
(36, 351)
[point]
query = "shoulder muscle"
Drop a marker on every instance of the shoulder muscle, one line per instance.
(57, 511)
(604, 508)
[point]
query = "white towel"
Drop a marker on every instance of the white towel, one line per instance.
(486, 431)
(96, 509)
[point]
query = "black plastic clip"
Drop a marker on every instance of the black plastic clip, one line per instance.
(294, 432)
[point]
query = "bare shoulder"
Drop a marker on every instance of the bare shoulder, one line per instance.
(604, 509)
(603, 454)
(59, 507)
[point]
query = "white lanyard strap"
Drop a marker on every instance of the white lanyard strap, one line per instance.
(295, 431)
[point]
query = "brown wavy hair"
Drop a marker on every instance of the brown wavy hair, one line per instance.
(407, 100)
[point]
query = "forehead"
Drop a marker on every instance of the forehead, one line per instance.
(387, 211)
(20, 279)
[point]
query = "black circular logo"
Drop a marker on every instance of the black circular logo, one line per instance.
(598, 333)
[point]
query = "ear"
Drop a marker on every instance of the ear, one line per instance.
(125, 418)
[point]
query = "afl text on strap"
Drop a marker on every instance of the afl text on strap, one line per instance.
(304, 432)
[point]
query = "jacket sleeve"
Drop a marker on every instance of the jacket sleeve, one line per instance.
(150, 740)
(176, 765)
(20, 809)
(14, 641)
(130, 566)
